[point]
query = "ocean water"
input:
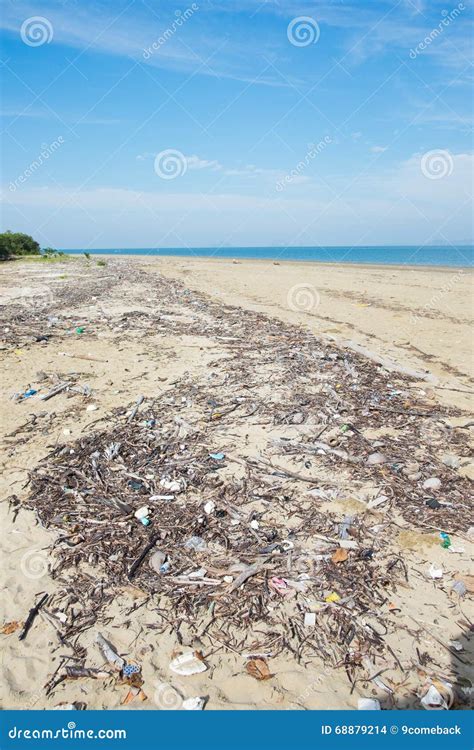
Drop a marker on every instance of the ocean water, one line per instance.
(445, 255)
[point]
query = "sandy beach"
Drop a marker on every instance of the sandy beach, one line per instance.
(311, 370)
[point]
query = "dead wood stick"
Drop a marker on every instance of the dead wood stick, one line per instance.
(134, 567)
(31, 617)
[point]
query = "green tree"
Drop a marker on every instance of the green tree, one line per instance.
(18, 243)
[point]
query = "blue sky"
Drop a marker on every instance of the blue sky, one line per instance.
(275, 123)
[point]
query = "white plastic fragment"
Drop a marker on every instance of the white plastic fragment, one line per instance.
(309, 619)
(92, 407)
(109, 652)
(432, 484)
(433, 700)
(376, 458)
(368, 704)
(254, 524)
(376, 501)
(209, 507)
(142, 512)
(170, 484)
(348, 544)
(435, 572)
(193, 704)
(187, 664)
(65, 707)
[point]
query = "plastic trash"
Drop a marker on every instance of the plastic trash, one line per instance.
(432, 484)
(217, 456)
(438, 699)
(459, 588)
(109, 653)
(368, 704)
(195, 543)
(142, 512)
(345, 526)
(156, 561)
(188, 663)
(209, 507)
(435, 572)
(27, 394)
(171, 485)
(130, 669)
(193, 704)
(376, 458)
(254, 524)
(309, 619)
(80, 329)
(332, 597)
(445, 540)
(433, 504)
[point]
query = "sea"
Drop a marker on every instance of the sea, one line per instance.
(400, 255)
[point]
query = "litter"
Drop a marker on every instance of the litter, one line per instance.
(438, 699)
(368, 704)
(445, 540)
(188, 664)
(109, 653)
(309, 619)
(194, 704)
(432, 484)
(217, 456)
(435, 572)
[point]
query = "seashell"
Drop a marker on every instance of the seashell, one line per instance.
(188, 664)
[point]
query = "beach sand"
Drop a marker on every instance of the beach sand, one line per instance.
(419, 319)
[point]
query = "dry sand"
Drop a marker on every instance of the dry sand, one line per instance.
(419, 318)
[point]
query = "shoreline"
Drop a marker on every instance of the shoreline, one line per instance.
(275, 261)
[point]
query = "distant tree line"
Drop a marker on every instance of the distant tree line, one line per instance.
(13, 244)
